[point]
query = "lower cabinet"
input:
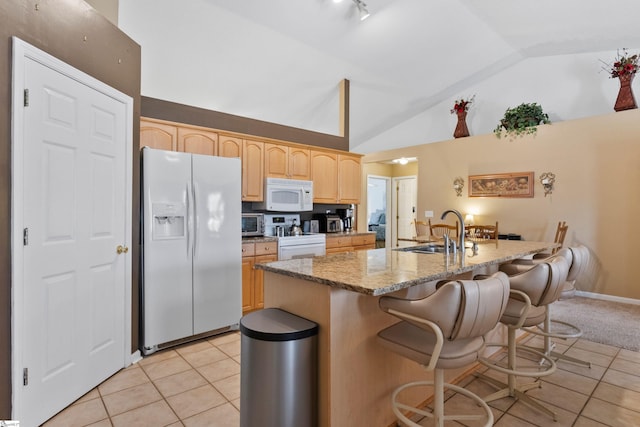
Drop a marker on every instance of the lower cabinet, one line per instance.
(252, 279)
(342, 243)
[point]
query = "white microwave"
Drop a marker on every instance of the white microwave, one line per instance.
(286, 195)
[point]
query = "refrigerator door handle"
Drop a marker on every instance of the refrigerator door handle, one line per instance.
(189, 218)
(195, 218)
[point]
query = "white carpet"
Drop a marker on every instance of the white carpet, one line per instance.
(604, 322)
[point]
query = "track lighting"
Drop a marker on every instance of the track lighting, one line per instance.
(362, 8)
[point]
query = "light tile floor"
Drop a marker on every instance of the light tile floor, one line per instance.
(198, 384)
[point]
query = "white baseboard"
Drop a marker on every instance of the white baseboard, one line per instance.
(135, 357)
(605, 297)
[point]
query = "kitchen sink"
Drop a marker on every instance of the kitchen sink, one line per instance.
(423, 249)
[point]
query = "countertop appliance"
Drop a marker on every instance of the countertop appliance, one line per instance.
(289, 247)
(286, 195)
(329, 223)
(347, 218)
(252, 224)
(191, 253)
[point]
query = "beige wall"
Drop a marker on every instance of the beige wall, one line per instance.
(597, 164)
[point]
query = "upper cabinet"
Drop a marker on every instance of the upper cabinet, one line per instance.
(324, 174)
(229, 146)
(282, 161)
(252, 171)
(336, 177)
(177, 138)
(158, 135)
(349, 179)
(197, 141)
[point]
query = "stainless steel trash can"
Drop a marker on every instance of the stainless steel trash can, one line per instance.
(278, 370)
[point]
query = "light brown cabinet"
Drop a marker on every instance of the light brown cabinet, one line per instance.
(349, 179)
(324, 174)
(229, 146)
(158, 135)
(342, 243)
(339, 244)
(252, 171)
(170, 137)
(252, 279)
(363, 241)
(252, 155)
(336, 177)
(282, 161)
(197, 141)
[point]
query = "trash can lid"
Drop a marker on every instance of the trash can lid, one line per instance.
(273, 324)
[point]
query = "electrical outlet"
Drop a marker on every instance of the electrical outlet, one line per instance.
(428, 214)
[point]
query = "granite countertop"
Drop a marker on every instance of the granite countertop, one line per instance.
(259, 239)
(381, 271)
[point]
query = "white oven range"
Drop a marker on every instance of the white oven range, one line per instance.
(289, 247)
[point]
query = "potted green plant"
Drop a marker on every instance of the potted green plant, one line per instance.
(521, 120)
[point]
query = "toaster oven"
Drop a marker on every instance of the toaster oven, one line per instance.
(252, 224)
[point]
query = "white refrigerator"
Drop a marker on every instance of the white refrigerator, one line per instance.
(191, 246)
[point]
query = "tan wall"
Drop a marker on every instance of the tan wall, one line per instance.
(596, 162)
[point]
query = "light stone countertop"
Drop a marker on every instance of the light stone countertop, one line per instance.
(381, 271)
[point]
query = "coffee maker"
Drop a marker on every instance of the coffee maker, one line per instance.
(347, 218)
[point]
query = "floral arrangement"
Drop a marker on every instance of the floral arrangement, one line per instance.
(624, 64)
(462, 105)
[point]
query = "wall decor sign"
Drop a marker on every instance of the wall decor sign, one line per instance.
(516, 184)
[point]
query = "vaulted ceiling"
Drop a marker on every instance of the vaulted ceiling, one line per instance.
(282, 60)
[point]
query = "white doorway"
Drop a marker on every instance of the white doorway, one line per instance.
(378, 203)
(71, 229)
(404, 205)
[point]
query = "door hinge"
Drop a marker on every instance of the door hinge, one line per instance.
(25, 237)
(26, 97)
(25, 376)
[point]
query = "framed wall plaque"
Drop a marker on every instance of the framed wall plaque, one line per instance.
(516, 184)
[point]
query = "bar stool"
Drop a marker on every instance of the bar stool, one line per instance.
(531, 291)
(444, 330)
(578, 258)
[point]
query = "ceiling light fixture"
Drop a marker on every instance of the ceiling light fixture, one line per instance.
(402, 160)
(362, 8)
(337, 1)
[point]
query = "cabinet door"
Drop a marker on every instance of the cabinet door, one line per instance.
(248, 280)
(158, 135)
(228, 146)
(252, 171)
(299, 163)
(276, 161)
(258, 283)
(349, 182)
(197, 141)
(324, 173)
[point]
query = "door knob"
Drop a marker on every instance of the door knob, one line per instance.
(122, 249)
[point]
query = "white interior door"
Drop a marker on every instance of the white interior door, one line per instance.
(71, 206)
(406, 196)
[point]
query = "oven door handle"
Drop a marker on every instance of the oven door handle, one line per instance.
(301, 251)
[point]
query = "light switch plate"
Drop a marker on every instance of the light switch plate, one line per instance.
(428, 214)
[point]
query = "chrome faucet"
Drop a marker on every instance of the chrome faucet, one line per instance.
(461, 237)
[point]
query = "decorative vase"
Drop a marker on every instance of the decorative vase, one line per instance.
(461, 128)
(625, 100)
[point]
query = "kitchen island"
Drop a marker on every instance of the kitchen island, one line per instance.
(340, 292)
